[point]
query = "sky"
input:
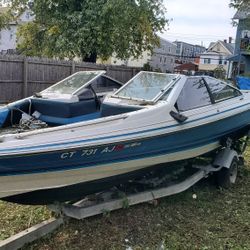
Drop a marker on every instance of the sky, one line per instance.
(199, 21)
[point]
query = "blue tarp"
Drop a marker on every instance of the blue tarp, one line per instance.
(243, 82)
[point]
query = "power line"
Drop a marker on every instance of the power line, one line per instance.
(196, 35)
(187, 57)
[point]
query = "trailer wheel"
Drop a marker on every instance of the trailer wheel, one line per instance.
(226, 177)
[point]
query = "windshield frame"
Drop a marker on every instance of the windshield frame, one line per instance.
(156, 98)
(77, 91)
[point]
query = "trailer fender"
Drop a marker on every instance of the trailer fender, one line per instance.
(225, 157)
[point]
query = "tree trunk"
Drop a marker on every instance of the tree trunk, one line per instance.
(91, 58)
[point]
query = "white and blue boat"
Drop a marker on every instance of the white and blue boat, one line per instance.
(153, 119)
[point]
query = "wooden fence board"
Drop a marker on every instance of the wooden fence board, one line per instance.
(23, 76)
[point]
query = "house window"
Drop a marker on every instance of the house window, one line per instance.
(207, 61)
(27, 15)
(220, 61)
(11, 34)
(225, 62)
(193, 95)
(165, 59)
(160, 59)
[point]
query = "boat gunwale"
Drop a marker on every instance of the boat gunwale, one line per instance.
(140, 137)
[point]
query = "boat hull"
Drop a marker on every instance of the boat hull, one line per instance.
(42, 178)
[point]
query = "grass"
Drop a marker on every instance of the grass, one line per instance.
(15, 218)
(216, 219)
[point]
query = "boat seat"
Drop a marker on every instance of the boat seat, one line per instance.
(64, 109)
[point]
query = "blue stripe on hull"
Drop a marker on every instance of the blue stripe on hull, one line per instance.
(148, 147)
(246, 113)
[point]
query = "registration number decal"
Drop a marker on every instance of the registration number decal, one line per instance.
(101, 150)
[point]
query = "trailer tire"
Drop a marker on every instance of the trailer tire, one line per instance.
(226, 177)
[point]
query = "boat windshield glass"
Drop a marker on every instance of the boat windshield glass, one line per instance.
(146, 86)
(73, 83)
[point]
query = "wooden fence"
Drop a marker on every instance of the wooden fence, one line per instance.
(23, 76)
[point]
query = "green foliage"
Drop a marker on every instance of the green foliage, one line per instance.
(106, 213)
(6, 16)
(4, 19)
(240, 4)
(15, 218)
(220, 72)
(11, 14)
(125, 203)
(92, 28)
(147, 67)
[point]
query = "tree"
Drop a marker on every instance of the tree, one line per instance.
(6, 16)
(12, 11)
(220, 72)
(4, 20)
(91, 28)
(240, 4)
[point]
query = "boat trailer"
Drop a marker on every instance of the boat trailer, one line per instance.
(224, 166)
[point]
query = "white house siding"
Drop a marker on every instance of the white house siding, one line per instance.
(216, 55)
(209, 62)
(8, 39)
(132, 62)
(162, 58)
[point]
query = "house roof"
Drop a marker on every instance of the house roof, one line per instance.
(234, 58)
(228, 46)
(163, 39)
(187, 66)
(211, 44)
(210, 53)
(196, 45)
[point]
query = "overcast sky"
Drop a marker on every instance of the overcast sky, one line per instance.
(199, 21)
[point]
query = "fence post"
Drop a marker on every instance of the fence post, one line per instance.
(25, 78)
(107, 70)
(73, 67)
(133, 72)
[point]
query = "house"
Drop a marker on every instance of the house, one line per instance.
(8, 39)
(130, 62)
(241, 60)
(187, 52)
(216, 56)
(187, 68)
(161, 59)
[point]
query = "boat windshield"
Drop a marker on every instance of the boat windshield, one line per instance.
(73, 83)
(146, 86)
